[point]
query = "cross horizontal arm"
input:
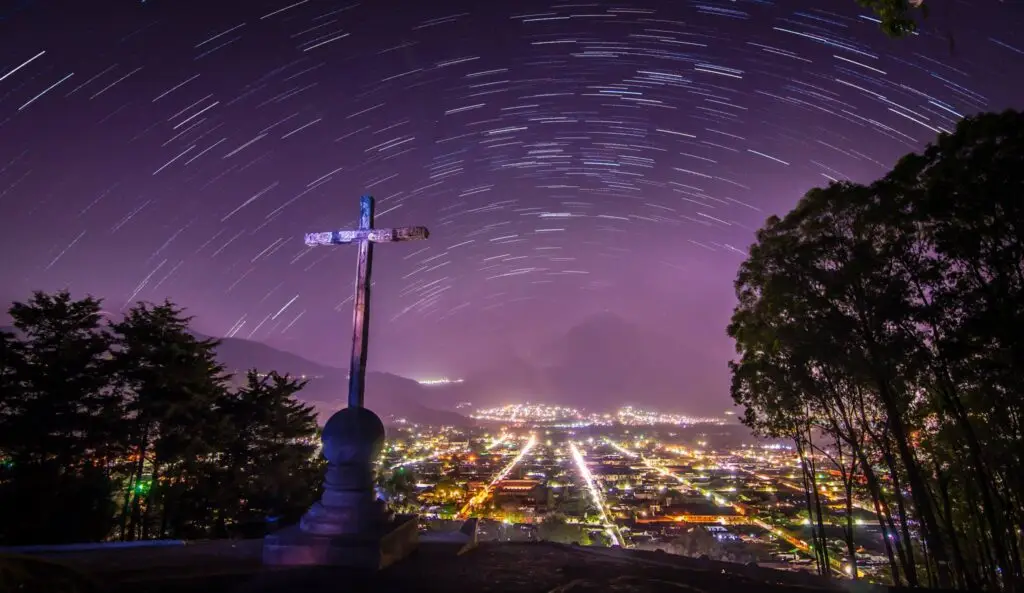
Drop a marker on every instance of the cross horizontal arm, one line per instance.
(405, 233)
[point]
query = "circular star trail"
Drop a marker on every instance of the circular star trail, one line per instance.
(567, 158)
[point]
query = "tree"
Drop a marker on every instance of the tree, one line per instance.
(173, 386)
(554, 528)
(963, 194)
(138, 415)
(11, 354)
(696, 542)
(825, 267)
(888, 317)
(267, 467)
(58, 412)
(897, 16)
(449, 490)
(399, 487)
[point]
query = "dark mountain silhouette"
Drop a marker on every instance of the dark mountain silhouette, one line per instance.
(239, 355)
(513, 380)
(601, 363)
(607, 361)
(390, 396)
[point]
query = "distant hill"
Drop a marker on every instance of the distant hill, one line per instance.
(390, 396)
(240, 355)
(601, 363)
(513, 379)
(607, 361)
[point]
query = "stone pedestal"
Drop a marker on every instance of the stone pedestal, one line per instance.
(370, 550)
(349, 526)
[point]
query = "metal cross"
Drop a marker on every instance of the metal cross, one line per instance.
(365, 236)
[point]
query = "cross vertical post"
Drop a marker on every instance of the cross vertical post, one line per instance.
(361, 308)
(365, 236)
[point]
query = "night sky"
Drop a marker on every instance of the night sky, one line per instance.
(568, 159)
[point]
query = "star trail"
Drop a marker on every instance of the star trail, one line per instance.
(567, 158)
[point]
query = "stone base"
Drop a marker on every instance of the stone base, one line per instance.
(462, 541)
(372, 551)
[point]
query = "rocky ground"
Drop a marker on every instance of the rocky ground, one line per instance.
(499, 568)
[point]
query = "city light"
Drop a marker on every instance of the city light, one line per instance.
(528, 413)
(569, 417)
(595, 495)
(740, 508)
(441, 381)
(497, 441)
(482, 496)
(645, 488)
(637, 417)
(439, 453)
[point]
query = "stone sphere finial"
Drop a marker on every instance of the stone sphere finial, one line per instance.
(353, 435)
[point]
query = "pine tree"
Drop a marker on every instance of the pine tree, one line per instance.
(58, 409)
(173, 385)
(137, 415)
(11, 354)
(268, 464)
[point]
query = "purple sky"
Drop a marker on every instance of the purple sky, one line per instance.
(567, 158)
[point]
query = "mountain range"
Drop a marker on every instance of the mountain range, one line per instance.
(600, 364)
(391, 397)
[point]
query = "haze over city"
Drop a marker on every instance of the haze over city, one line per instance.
(590, 172)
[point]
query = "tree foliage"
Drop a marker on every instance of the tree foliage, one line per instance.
(881, 328)
(555, 528)
(897, 16)
(131, 429)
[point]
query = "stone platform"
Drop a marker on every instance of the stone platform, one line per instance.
(372, 550)
(235, 567)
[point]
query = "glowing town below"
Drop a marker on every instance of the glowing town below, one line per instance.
(567, 417)
(702, 487)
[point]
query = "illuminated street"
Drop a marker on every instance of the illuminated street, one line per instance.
(595, 495)
(483, 495)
